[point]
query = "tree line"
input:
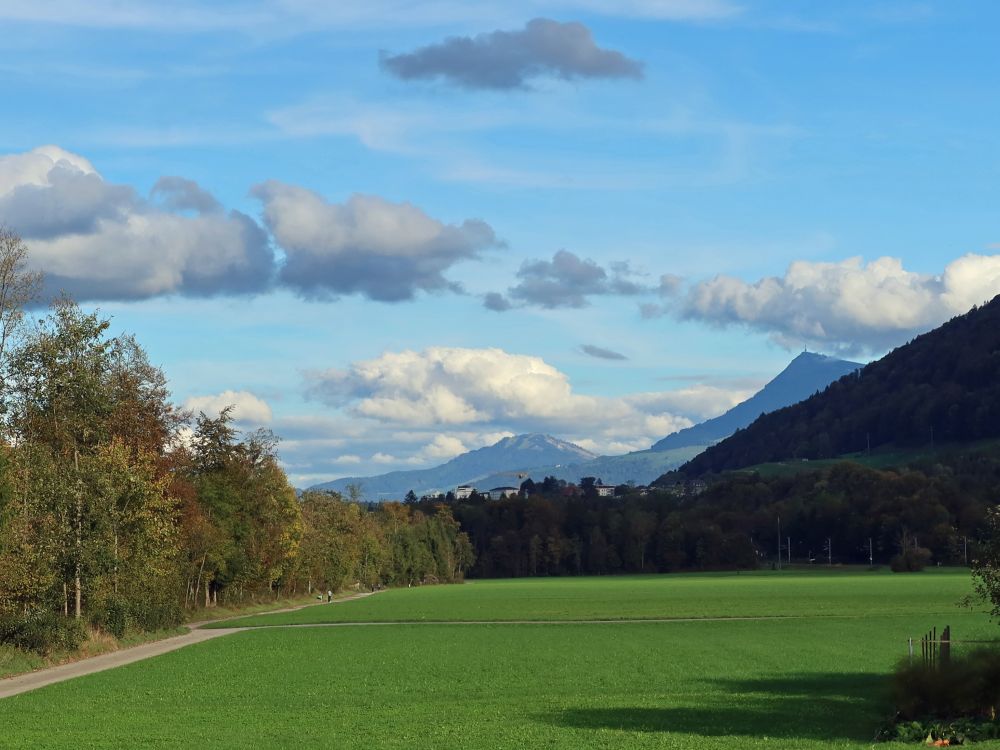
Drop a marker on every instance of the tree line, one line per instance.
(934, 513)
(119, 511)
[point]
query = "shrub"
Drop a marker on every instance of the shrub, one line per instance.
(910, 560)
(968, 686)
(41, 631)
(113, 617)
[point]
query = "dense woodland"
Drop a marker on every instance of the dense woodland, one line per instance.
(942, 387)
(119, 511)
(924, 514)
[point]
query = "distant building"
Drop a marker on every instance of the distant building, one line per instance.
(605, 490)
(464, 491)
(499, 493)
(433, 496)
(689, 488)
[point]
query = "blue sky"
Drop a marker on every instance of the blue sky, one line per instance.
(683, 183)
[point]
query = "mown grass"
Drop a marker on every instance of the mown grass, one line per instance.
(815, 680)
(808, 593)
(720, 684)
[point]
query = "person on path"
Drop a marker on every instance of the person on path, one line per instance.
(329, 596)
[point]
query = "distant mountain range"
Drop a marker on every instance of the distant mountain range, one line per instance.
(942, 387)
(804, 376)
(501, 461)
(512, 459)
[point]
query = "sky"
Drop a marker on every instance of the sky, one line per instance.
(395, 231)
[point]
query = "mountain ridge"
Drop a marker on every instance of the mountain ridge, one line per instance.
(944, 385)
(508, 456)
(808, 373)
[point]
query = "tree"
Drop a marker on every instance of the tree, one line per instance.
(18, 286)
(986, 564)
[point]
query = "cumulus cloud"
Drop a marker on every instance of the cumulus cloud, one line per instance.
(565, 281)
(367, 245)
(450, 390)
(99, 241)
(601, 353)
(508, 59)
(248, 409)
(850, 306)
(180, 194)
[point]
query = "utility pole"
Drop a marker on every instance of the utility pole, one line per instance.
(779, 542)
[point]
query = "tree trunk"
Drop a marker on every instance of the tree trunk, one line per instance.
(208, 596)
(79, 535)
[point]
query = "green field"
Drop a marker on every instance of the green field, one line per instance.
(837, 592)
(816, 680)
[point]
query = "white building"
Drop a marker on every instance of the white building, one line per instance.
(464, 491)
(605, 490)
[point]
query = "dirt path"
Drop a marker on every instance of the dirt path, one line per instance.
(22, 683)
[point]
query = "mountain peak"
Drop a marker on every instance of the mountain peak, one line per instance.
(808, 373)
(507, 457)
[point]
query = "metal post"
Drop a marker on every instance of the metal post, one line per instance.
(909, 642)
(871, 557)
(779, 542)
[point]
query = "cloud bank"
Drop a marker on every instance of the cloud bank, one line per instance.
(849, 307)
(509, 59)
(98, 240)
(367, 245)
(444, 389)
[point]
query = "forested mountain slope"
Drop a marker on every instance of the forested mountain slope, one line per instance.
(805, 375)
(943, 386)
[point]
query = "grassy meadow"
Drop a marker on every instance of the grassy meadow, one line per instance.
(808, 593)
(813, 680)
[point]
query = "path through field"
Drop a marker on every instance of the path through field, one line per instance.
(32, 680)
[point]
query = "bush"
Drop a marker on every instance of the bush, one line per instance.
(910, 560)
(41, 631)
(963, 687)
(113, 617)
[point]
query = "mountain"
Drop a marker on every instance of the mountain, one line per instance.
(943, 386)
(640, 467)
(539, 456)
(503, 460)
(804, 376)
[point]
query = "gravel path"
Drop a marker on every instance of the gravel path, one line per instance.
(22, 683)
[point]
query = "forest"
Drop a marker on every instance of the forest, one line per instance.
(926, 514)
(119, 511)
(942, 387)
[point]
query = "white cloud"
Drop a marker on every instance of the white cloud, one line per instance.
(452, 390)
(248, 408)
(850, 306)
(441, 448)
(98, 240)
(368, 245)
